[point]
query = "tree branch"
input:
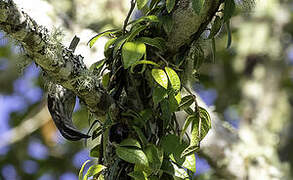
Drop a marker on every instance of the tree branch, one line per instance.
(58, 62)
(187, 23)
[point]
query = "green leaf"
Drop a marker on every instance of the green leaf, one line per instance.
(173, 170)
(141, 3)
(171, 145)
(160, 77)
(132, 155)
(189, 150)
(190, 163)
(150, 18)
(155, 156)
(95, 152)
(197, 5)
(146, 114)
(227, 24)
(157, 42)
(174, 148)
(106, 79)
(140, 134)
(101, 177)
(229, 9)
(196, 136)
(187, 122)
(174, 79)
(216, 27)
(129, 142)
(174, 101)
(178, 98)
(109, 43)
(96, 37)
(205, 122)
(154, 3)
(93, 170)
(189, 111)
(159, 93)
(138, 175)
(146, 169)
(143, 62)
(166, 112)
(132, 52)
(118, 44)
(97, 66)
(135, 31)
(80, 175)
(170, 5)
(186, 102)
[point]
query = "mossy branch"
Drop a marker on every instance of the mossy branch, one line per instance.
(187, 23)
(59, 63)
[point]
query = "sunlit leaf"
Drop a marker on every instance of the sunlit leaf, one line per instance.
(101, 177)
(141, 3)
(93, 170)
(174, 79)
(129, 142)
(96, 37)
(196, 136)
(109, 43)
(132, 155)
(178, 98)
(189, 150)
(190, 163)
(170, 5)
(97, 66)
(154, 3)
(160, 77)
(143, 62)
(80, 175)
(172, 169)
(132, 52)
(187, 122)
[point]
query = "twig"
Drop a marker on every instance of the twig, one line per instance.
(74, 43)
(161, 57)
(128, 15)
(27, 127)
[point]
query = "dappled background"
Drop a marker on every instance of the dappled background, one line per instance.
(249, 88)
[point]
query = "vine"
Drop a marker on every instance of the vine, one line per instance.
(149, 85)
